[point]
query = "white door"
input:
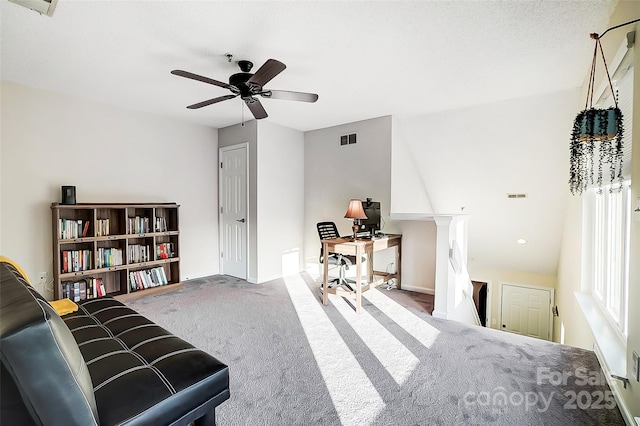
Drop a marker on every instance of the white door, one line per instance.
(233, 211)
(527, 310)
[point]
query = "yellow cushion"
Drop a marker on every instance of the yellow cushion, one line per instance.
(64, 306)
(15, 265)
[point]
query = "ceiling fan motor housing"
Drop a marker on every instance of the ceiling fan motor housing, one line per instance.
(239, 80)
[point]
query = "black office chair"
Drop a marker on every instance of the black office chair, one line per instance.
(329, 230)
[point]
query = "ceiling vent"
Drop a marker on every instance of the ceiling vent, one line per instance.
(516, 195)
(348, 139)
(43, 7)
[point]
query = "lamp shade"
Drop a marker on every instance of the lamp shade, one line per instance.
(355, 210)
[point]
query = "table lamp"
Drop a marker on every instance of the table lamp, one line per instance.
(355, 212)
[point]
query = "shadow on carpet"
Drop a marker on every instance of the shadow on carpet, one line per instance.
(464, 375)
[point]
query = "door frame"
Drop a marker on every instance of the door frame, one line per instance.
(489, 299)
(221, 150)
(533, 287)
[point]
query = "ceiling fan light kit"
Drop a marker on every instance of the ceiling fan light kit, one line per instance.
(248, 86)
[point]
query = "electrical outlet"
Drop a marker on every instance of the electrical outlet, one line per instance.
(43, 277)
(636, 366)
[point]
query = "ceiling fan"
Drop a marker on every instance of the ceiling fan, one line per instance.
(248, 86)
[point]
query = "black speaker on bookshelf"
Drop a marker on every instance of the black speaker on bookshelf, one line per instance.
(68, 195)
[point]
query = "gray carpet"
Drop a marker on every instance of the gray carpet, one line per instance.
(283, 373)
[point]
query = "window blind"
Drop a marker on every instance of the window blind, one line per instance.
(622, 80)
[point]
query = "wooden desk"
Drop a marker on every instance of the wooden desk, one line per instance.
(358, 248)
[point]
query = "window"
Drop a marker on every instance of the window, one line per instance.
(608, 213)
(611, 214)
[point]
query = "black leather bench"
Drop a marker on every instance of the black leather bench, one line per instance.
(102, 365)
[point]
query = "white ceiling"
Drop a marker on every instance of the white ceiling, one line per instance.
(364, 59)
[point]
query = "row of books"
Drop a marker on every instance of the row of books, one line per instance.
(109, 256)
(88, 288)
(161, 224)
(76, 260)
(82, 260)
(73, 228)
(164, 251)
(139, 225)
(147, 278)
(102, 227)
(139, 253)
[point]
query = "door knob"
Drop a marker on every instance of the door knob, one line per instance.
(240, 220)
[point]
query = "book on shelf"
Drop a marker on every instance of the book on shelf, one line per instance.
(72, 228)
(161, 224)
(147, 278)
(88, 288)
(75, 260)
(102, 226)
(138, 225)
(139, 253)
(164, 250)
(109, 256)
(86, 229)
(101, 289)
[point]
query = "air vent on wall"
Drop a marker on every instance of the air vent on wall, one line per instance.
(516, 195)
(348, 139)
(44, 7)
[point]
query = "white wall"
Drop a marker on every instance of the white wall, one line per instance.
(408, 189)
(276, 193)
(234, 135)
(471, 158)
(576, 330)
(570, 326)
(110, 155)
(280, 201)
(467, 160)
(334, 174)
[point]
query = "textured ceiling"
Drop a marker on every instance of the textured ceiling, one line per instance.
(364, 59)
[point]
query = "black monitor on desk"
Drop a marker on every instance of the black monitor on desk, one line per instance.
(372, 224)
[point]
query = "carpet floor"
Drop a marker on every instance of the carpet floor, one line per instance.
(294, 361)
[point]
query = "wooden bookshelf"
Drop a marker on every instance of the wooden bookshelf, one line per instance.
(128, 248)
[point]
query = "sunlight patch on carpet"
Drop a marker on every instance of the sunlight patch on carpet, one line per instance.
(423, 332)
(392, 354)
(354, 397)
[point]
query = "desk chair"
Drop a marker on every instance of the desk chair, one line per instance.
(329, 230)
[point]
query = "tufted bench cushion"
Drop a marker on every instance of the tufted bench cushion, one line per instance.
(102, 365)
(39, 352)
(130, 358)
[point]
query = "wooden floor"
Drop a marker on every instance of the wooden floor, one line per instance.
(420, 301)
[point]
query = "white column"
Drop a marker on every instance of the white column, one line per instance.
(444, 292)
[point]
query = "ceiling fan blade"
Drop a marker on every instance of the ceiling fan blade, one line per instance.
(266, 72)
(256, 108)
(193, 76)
(290, 96)
(211, 101)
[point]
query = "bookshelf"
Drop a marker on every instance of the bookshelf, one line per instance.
(114, 249)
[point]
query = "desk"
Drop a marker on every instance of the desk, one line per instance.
(358, 248)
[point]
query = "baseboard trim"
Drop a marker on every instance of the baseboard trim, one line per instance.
(419, 289)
